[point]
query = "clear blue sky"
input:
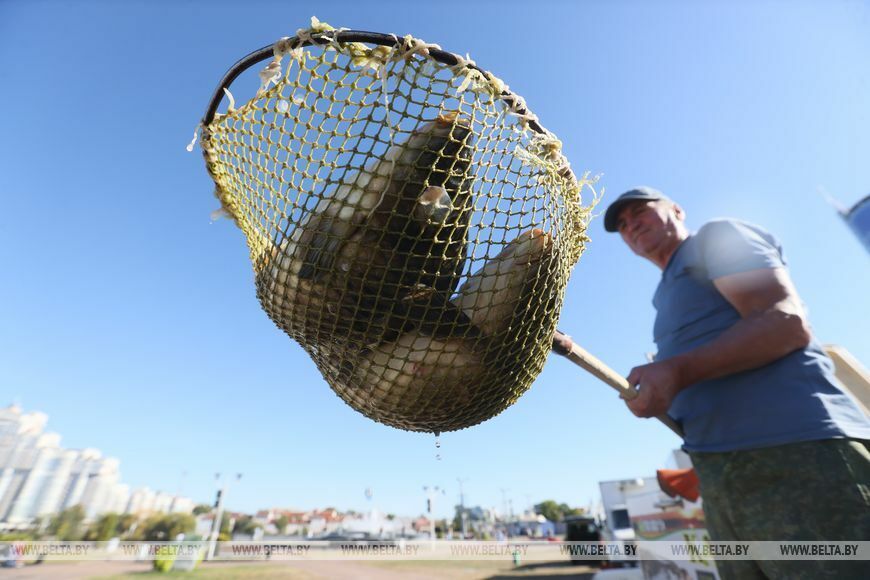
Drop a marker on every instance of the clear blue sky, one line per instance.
(131, 319)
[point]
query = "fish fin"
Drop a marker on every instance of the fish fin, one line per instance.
(434, 315)
(321, 243)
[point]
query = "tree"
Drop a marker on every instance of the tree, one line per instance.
(281, 523)
(39, 527)
(440, 528)
(104, 529)
(127, 524)
(457, 518)
(245, 525)
(569, 511)
(67, 524)
(165, 527)
(556, 512)
(225, 534)
(202, 508)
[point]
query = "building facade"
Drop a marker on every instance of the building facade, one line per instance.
(39, 478)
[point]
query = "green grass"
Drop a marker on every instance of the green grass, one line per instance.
(479, 569)
(221, 572)
(484, 565)
(442, 569)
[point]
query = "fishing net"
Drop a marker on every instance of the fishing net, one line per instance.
(410, 223)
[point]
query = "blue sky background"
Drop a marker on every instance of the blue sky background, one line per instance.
(131, 320)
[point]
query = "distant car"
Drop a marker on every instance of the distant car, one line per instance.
(582, 529)
(8, 558)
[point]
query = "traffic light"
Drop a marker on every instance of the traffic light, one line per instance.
(217, 499)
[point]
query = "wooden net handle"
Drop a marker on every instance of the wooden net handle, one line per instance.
(563, 345)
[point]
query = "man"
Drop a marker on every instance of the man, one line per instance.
(779, 448)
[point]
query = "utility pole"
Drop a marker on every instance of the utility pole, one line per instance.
(462, 515)
(369, 493)
(504, 507)
(431, 494)
(218, 516)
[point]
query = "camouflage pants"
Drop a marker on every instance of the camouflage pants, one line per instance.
(814, 490)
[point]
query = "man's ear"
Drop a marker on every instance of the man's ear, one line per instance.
(679, 212)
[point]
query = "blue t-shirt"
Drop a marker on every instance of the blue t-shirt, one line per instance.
(795, 398)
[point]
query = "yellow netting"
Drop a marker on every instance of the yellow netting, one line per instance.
(406, 226)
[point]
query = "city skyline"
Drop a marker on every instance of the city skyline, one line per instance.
(39, 478)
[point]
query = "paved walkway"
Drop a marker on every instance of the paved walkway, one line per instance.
(312, 570)
(73, 570)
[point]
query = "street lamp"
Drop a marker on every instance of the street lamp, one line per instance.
(462, 515)
(504, 506)
(431, 494)
(369, 493)
(219, 514)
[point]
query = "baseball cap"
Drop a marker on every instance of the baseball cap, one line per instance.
(636, 193)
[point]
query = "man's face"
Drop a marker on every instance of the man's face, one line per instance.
(650, 228)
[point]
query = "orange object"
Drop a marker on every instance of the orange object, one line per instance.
(679, 483)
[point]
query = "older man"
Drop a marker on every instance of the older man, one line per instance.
(780, 449)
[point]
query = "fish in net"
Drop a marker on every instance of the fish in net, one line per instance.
(410, 223)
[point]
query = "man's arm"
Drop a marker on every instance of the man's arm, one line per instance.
(773, 324)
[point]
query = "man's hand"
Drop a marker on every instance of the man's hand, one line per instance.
(659, 383)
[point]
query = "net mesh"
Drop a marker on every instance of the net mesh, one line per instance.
(406, 226)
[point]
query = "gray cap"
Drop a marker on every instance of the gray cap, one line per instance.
(637, 193)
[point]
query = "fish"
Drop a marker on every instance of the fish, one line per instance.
(401, 371)
(415, 202)
(456, 364)
(379, 254)
(491, 296)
